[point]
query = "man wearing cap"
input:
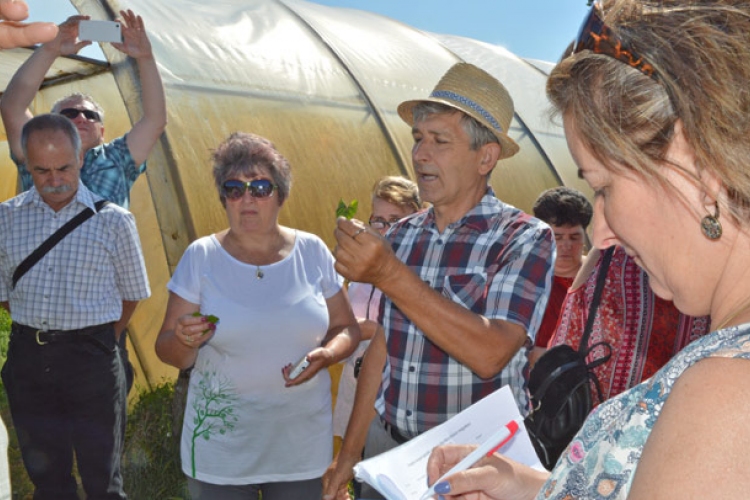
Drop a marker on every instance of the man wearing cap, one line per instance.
(64, 377)
(465, 283)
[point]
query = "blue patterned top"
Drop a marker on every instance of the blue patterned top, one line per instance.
(601, 460)
(108, 170)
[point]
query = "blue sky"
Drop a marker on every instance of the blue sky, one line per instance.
(536, 29)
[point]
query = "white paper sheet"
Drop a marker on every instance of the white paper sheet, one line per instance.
(401, 473)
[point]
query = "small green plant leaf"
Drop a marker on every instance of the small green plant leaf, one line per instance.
(348, 211)
(209, 317)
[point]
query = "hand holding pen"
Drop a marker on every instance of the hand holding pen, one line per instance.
(472, 471)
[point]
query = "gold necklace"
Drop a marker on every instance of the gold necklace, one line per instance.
(742, 307)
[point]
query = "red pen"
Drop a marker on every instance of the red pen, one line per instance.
(487, 448)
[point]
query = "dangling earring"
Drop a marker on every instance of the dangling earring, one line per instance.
(711, 226)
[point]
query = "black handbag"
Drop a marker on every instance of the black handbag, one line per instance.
(561, 383)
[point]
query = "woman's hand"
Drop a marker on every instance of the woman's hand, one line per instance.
(492, 478)
(193, 331)
(318, 358)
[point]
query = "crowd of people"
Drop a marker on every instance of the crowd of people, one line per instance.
(443, 296)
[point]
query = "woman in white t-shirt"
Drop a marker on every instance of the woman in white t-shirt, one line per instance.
(244, 305)
(393, 198)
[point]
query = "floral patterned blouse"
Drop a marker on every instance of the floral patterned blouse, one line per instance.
(601, 460)
(643, 330)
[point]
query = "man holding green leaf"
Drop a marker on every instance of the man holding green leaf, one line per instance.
(465, 283)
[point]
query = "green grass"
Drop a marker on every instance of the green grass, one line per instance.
(151, 465)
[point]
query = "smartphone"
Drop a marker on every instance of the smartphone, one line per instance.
(100, 31)
(299, 367)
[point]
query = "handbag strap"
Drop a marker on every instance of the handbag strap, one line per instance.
(583, 347)
(53, 240)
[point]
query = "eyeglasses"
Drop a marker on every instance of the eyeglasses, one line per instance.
(377, 223)
(234, 189)
(72, 114)
(597, 37)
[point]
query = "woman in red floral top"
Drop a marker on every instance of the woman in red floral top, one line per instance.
(643, 330)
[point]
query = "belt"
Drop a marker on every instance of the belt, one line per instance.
(395, 435)
(44, 337)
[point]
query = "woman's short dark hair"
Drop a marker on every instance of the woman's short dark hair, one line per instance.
(563, 206)
(250, 154)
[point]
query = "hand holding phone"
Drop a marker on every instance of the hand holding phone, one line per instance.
(299, 367)
(100, 31)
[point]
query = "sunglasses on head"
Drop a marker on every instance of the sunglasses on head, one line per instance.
(234, 189)
(377, 223)
(599, 38)
(72, 114)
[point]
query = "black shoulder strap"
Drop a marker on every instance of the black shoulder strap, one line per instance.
(53, 240)
(600, 278)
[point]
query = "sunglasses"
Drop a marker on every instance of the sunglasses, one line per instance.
(377, 223)
(597, 37)
(72, 114)
(259, 188)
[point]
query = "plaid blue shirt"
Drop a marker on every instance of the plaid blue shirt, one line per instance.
(108, 170)
(497, 262)
(83, 280)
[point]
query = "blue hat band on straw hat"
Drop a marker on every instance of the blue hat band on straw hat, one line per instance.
(446, 94)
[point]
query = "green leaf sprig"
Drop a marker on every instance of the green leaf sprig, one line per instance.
(209, 317)
(348, 211)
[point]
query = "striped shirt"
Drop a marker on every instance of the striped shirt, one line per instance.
(108, 170)
(83, 280)
(497, 262)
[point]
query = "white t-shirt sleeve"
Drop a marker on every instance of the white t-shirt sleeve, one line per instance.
(186, 281)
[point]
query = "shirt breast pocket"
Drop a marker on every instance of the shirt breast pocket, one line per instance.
(468, 290)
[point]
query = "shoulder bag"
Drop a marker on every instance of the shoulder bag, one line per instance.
(561, 383)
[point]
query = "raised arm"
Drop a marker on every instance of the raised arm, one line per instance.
(135, 43)
(25, 83)
(484, 345)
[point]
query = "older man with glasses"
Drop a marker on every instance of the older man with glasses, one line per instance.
(109, 169)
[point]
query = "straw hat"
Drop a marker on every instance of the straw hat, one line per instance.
(478, 94)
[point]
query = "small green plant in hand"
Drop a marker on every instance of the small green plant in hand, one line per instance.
(348, 211)
(209, 317)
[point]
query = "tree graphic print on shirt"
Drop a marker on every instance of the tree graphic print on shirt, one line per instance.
(214, 406)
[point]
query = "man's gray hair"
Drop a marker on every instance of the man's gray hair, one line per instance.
(478, 133)
(50, 121)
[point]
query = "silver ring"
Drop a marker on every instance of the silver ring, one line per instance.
(358, 232)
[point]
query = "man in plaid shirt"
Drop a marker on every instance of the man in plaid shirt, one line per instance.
(64, 375)
(465, 283)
